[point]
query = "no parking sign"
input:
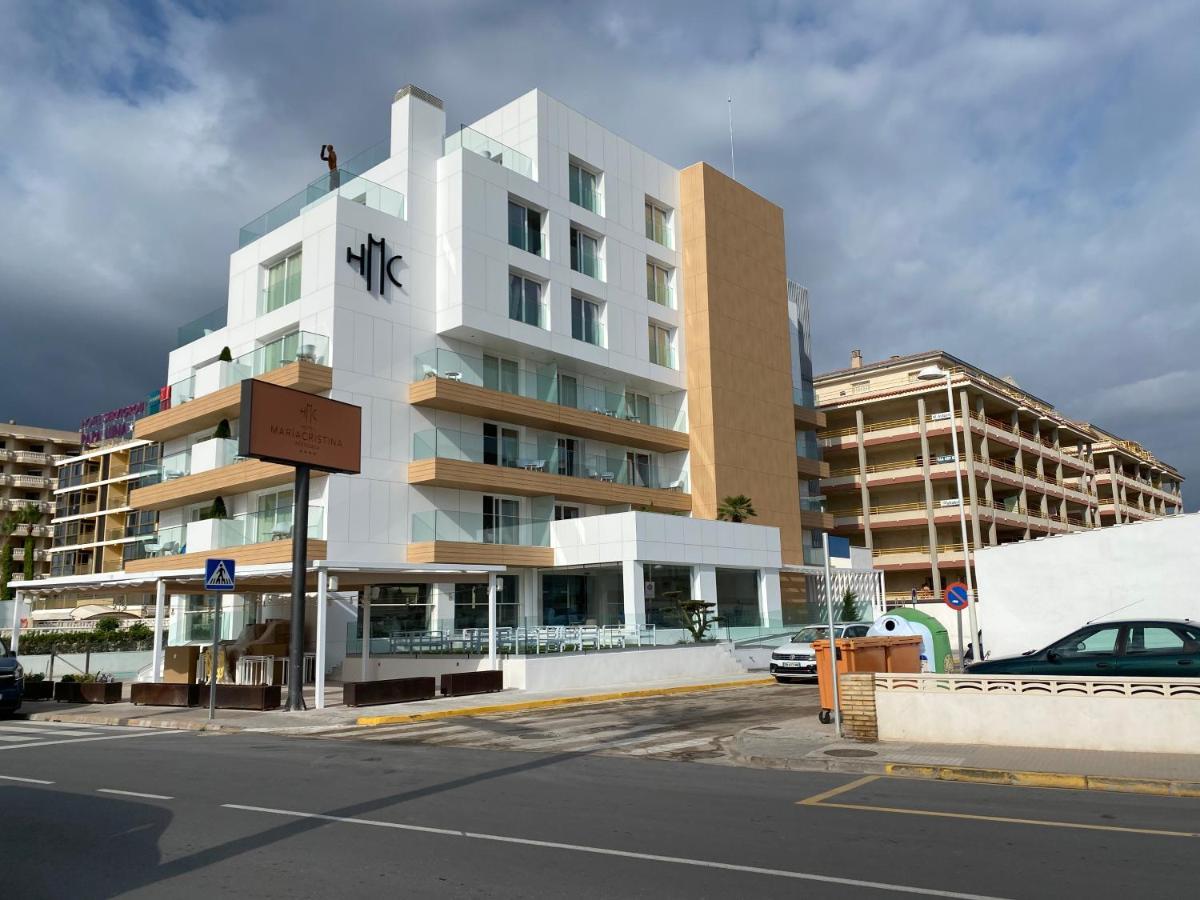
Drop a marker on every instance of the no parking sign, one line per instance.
(956, 596)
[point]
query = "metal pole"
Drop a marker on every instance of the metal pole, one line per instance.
(837, 711)
(299, 571)
(366, 629)
(322, 615)
(962, 521)
(15, 643)
(491, 620)
(160, 600)
(212, 657)
(962, 654)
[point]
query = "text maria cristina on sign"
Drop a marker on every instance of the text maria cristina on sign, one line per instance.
(295, 428)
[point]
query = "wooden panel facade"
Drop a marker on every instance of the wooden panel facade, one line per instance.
(238, 478)
(248, 555)
(470, 476)
(475, 554)
(207, 411)
(472, 400)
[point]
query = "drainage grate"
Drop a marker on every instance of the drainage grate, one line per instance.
(848, 751)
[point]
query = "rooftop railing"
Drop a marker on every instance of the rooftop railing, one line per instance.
(480, 144)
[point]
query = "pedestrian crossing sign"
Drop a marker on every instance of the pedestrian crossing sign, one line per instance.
(219, 574)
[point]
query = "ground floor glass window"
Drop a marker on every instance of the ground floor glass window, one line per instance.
(397, 608)
(667, 587)
(471, 603)
(737, 597)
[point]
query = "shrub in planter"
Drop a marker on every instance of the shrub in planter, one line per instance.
(225, 356)
(108, 625)
(222, 430)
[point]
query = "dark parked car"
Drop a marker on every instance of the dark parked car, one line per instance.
(12, 681)
(1149, 648)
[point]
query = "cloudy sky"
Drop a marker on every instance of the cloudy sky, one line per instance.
(1016, 182)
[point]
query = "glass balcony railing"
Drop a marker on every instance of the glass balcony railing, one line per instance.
(299, 345)
(812, 504)
(482, 145)
(211, 321)
(475, 528)
(342, 182)
(804, 395)
(808, 445)
(237, 531)
(613, 466)
(551, 384)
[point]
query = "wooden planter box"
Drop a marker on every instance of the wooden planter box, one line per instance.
(87, 692)
(457, 684)
(38, 690)
(165, 694)
(388, 690)
(242, 696)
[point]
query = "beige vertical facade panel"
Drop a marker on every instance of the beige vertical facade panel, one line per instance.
(739, 375)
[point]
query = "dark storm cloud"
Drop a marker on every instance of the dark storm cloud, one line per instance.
(1013, 182)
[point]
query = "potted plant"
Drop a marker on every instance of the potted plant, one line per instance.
(736, 508)
(225, 355)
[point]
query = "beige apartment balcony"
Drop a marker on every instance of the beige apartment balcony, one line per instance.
(34, 482)
(31, 457)
(915, 556)
(238, 478)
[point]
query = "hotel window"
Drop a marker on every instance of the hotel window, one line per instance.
(397, 608)
(525, 300)
(501, 520)
(283, 283)
(563, 512)
(662, 350)
(585, 188)
(569, 456)
(585, 321)
(524, 228)
(501, 374)
(471, 603)
(658, 225)
(658, 285)
(501, 446)
(637, 407)
(585, 254)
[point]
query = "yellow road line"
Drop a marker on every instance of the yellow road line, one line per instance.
(1060, 780)
(522, 705)
(856, 783)
(1008, 820)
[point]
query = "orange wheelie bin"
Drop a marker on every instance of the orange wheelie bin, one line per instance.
(865, 654)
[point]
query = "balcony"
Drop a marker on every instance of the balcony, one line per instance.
(43, 506)
(213, 320)
(238, 478)
(448, 458)
(560, 397)
(36, 482)
(31, 457)
(813, 514)
(464, 537)
(207, 411)
(298, 345)
(343, 183)
(482, 145)
(258, 537)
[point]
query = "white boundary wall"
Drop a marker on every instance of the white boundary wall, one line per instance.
(1040, 712)
(1032, 592)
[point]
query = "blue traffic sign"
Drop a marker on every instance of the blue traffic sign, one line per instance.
(956, 595)
(219, 574)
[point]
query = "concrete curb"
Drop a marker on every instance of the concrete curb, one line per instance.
(522, 705)
(1064, 780)
(134, 721)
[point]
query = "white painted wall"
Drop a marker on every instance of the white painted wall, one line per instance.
(1032, 592)
(1126, 724)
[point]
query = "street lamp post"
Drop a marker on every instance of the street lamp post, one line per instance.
(933, 373)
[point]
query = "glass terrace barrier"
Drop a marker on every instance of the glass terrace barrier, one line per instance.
(213, 320)
(165, 542)
(550, 384)
(482, 145)
(262, 527)
(475, 528)
(615, 467)
(341, 181)
(299, 345)
(183, 390)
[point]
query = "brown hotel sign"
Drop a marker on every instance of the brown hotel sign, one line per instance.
(295, 428)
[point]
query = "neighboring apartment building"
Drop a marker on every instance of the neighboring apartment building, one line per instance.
(1132, 483)
(28, 456)
(567, 352)
(1027, 469)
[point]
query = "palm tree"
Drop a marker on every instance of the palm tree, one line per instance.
(736, 509)
(29, 514)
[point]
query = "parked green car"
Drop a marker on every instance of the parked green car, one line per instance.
(1142, 648)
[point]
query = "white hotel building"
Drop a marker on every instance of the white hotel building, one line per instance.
(566, 354)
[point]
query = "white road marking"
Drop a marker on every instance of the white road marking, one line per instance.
(31, 734)
(104, 737)
(133, 794)
(595, 742)
(667, 748)
(25, 780)
(627, 854)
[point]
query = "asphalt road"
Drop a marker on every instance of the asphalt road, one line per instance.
(125, 812)
(682, 726)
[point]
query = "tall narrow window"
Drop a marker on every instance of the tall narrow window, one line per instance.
(637, 407)
(637, 469)
(658, 225)
(658, 285)
(585, 188)
(501, 374)
(501, 520)
(501, 446)
(525, 300)
(283, 283)
(585, 254)
(568, 390)
(662, 352)
(585, 321)
(568, 456)
(524, 228)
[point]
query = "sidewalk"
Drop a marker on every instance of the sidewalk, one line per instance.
(804, 744)
(337, 716)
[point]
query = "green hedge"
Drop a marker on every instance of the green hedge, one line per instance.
(136, 637)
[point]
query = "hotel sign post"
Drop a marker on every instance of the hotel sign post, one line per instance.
(294, 428)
